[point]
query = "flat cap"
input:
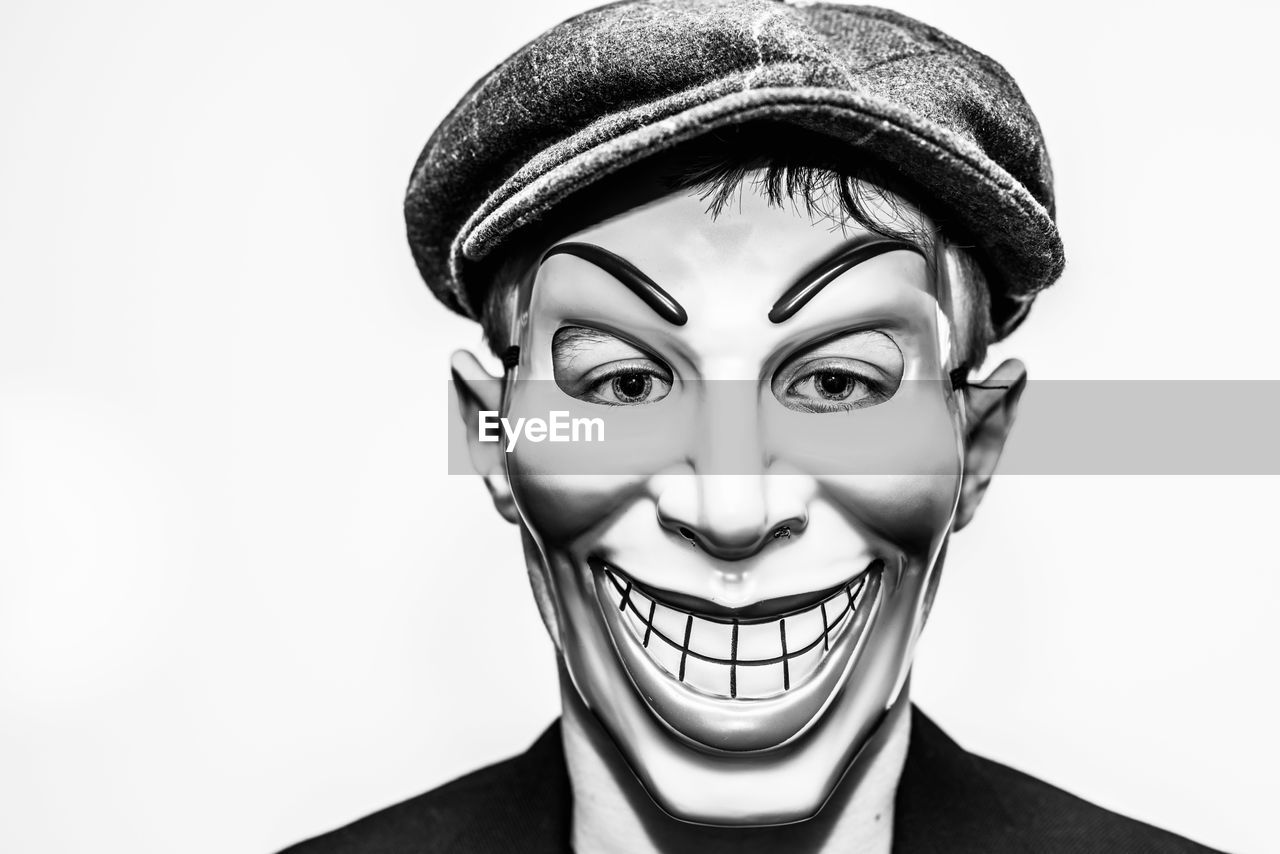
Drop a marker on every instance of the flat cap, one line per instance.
(614, 85)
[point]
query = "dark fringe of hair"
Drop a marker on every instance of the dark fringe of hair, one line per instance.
(824, 192)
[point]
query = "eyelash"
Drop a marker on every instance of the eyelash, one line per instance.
(618, 370)
(959, 376)
(877, 390)
(811, 370)
(871, 386)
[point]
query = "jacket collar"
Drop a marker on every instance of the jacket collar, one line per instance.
(946, 802)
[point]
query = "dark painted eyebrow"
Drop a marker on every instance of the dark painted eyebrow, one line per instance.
(625, 272)
(829, 269)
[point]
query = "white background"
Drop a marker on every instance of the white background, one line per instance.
(241, 602)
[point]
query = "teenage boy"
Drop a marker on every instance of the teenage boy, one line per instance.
(765, 245)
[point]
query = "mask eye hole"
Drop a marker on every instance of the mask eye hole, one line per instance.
(598, 367)
(851, 371)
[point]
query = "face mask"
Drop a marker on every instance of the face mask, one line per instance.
(736, 566)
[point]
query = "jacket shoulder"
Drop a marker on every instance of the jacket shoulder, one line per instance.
(517, 805)
(1054, 820)
(953, 800)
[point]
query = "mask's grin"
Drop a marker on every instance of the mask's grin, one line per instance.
(736, 683)
(733, 658)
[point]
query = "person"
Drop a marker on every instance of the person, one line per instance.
(764, 247)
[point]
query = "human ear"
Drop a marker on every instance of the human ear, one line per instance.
(990, 406)
(479, 391)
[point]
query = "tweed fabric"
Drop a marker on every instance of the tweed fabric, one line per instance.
(614, 85)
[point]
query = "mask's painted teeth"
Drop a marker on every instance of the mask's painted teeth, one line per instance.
(732, 658)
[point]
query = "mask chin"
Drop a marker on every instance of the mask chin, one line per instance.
(780, 770)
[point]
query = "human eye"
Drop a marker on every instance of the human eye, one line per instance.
(850, 372)
(601, 368)
(834, 386)
(626, 384)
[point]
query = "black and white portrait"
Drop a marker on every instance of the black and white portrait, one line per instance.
(642, 428)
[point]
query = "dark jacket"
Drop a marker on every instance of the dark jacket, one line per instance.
(949, 802)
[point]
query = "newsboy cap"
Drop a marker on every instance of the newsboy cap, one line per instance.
(612, 86)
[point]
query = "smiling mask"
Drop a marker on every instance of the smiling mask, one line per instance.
(735, 577)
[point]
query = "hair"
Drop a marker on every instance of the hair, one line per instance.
(785, 165)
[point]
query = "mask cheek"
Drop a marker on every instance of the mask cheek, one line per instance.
(893, 469)
(907, 514)
(563, 514)
(567, 486)
(560, 509)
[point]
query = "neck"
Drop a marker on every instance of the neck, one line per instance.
(612, 814)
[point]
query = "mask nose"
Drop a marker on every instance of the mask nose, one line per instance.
(726, 502)
(729, 516)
